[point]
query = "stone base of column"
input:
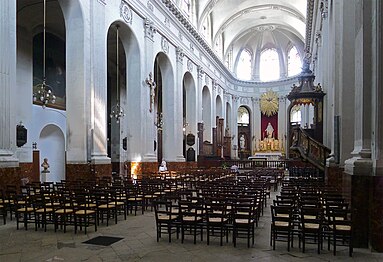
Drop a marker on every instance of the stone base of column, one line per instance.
(85, 171)
(356, 186)
(100, 160)
(7, 159)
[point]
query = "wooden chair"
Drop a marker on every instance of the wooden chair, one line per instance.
(244, 218)
(281, 224)
(64, 214)
(166, 218)
(311, 226)
(85, 213)
(341, 226)
(24, 210)
(216, 219)
(191, 216)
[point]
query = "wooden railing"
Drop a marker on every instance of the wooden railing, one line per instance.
(309, 149)
(256, 163)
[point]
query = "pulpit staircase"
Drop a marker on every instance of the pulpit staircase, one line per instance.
(309, 149)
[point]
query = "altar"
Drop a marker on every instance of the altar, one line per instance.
(270, 156)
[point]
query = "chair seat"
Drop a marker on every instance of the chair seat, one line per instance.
(191, 218)
(166, 217)
(217, 220)
(28, 209)
(244, 221)
(82, 212)
(64, 211)
(135, 199)
(42, 210)
(281, 224)
(104, 206)
(341, 227)
(282, 215)
(311, 226)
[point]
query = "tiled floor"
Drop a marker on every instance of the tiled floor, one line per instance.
(139, 244)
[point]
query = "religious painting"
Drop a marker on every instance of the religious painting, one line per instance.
(55, 67)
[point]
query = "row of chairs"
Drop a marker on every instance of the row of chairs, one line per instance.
(312, 213)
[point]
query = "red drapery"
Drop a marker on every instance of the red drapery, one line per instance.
(265, 120)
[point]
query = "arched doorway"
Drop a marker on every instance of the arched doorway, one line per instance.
(189, 117)
(52, 146)
(244, 132)
(116, 84)
(206, 114)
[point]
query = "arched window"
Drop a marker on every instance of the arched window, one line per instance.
(244, 65)
(218, 45)
(186, 7)
(205, 30)
(294, 64)
(243, 116)
(269, 65)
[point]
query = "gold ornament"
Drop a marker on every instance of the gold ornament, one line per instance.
(269, 103)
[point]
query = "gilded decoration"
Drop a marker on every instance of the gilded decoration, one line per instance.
(269, 103)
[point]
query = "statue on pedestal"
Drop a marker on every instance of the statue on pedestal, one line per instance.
(45, 166)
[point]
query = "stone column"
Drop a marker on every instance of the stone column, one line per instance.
(200, 74)
(282, 120)
(358, 169)
(148, 66)
(98, 69)
(177, 141)
(234, 142)
(256, 120)
(7, 84)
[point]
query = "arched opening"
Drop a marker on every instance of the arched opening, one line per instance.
(244, 65)
(52, 146)
(218, 106)
(164, 114)
(244, 132)
(269, 69)
(206, 114)
(189, 117)
(116, 83)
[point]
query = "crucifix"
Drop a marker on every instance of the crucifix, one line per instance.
(152, 85)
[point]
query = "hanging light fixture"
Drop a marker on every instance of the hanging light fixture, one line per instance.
(117, 111)
(43, 92)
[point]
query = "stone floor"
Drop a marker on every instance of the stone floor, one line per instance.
(139, 244)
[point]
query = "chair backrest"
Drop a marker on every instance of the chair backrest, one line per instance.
(281, 214)
(164, 209)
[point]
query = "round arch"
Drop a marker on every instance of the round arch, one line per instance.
(52, 146)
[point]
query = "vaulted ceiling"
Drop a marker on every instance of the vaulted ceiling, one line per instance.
(254, 24)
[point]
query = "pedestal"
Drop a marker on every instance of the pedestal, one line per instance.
(44, 176)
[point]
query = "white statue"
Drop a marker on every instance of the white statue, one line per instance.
(242, 142)
(269, 130)
(163, 167)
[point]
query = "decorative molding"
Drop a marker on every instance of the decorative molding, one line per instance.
(206, 79)
(167, 22)
(200, 71)
(309, 23)
(214, 84)
(244, 100)
(263, 28)
(149, 28)
(235, 98)
(180, 55)
(324, 9)
(180, 36)
(165, 45)
(150, 6)
(190, 65)
(102, 2)
(191, 47)
(126, 12)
